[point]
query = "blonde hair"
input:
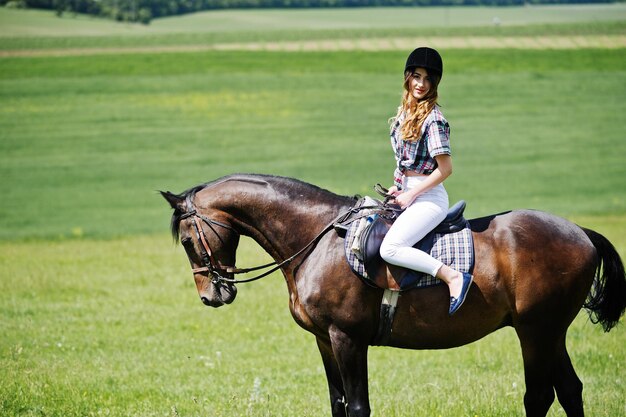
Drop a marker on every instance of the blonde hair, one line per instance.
(415, 111)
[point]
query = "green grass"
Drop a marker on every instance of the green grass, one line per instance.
(86, 141)
(98, 311)
(116, 328)
(44, 23)
(42, 30)
(110, 39)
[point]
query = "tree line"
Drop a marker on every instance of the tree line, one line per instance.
(144, 11)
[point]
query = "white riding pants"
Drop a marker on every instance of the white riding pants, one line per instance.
(421, 217)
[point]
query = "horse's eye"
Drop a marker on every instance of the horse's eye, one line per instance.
(186, 242)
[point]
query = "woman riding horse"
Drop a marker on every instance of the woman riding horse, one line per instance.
(533, 271)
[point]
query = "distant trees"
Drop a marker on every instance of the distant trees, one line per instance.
(145, 10)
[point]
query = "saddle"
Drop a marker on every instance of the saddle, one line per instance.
(450, 242)
(373, 236)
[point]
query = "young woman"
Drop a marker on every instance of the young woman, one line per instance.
(420, 139)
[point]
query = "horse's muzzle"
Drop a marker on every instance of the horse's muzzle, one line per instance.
(218, 295)
(214, 303)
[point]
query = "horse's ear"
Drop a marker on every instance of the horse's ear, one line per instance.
(176, 201)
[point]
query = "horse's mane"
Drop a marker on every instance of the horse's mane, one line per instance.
(289, 185)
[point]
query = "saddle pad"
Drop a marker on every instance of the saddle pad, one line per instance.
(453, 249)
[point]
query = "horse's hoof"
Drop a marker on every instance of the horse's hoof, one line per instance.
(456, 303)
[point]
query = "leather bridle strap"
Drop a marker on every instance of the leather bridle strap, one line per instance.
(210, 263)
(214, 267)
(207, 255)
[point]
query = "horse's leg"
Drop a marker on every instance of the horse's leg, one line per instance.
(333, 376)
(538, 349)
(547, 367)
(351, 356)
(569, 388)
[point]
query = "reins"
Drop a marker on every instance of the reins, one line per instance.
(215, 268)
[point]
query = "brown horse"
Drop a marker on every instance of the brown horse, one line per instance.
(533, 271)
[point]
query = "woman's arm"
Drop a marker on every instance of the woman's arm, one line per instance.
(443, 171)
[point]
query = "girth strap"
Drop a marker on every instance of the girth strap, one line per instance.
(387, 314)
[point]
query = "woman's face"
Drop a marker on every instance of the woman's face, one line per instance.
(420, 83)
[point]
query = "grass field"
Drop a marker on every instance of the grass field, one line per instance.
(17, 23)
(115, 328)
(95, 136)
(98, 311)
(36, 30)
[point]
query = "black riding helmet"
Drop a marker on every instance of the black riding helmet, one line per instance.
(425, 57)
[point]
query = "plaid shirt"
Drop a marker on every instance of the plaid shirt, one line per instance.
(419, 155)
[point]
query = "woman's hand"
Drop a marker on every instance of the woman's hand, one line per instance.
(404, 200)
(393, 191)
(443, 171)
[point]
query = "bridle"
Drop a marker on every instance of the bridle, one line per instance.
(215, 268)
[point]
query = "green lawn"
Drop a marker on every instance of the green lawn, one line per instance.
(35, 29)
(98, 311)
(116, 328)
(87, 141)
(43, 23)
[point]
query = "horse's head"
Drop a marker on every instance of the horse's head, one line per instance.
(210, 243)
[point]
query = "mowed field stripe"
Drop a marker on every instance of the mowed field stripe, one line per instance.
(370, 44)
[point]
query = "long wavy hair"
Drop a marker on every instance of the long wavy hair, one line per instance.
(416, 111)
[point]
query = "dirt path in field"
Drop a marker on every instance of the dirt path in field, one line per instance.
(374, 44)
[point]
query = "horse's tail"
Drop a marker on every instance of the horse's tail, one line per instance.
(607, 299)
